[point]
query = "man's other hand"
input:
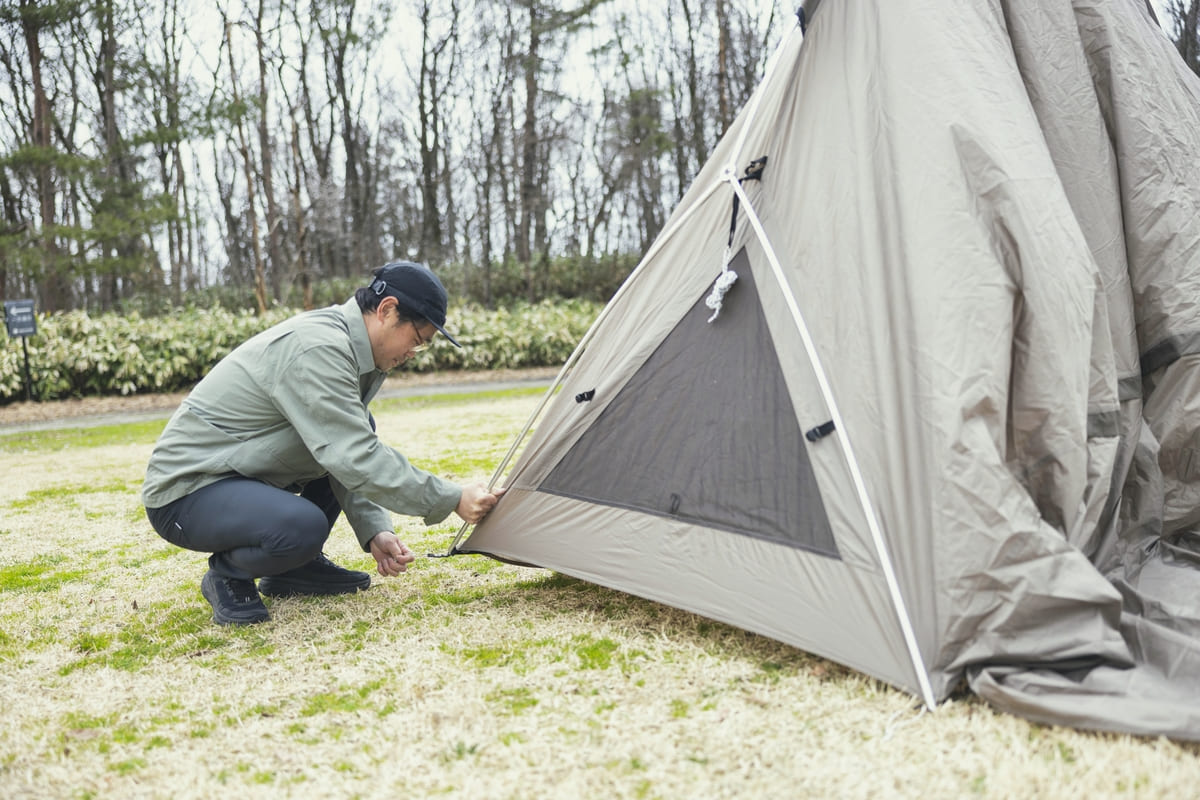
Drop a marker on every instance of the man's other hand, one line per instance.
(392, 556)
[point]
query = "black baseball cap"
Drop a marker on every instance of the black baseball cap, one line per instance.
(417, 290)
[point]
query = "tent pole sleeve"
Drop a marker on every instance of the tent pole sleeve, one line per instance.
(860, 486)
(587, 337)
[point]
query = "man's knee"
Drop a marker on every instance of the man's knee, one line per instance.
(300, 531)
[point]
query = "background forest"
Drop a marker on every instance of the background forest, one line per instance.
(153, 150)
(255, 153)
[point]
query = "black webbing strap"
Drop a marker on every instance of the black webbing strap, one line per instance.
(753, 173)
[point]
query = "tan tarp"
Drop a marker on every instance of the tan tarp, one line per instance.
(986, 222)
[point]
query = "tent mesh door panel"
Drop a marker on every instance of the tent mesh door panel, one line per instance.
(706, 432)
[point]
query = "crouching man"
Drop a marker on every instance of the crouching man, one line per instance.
(276, 441)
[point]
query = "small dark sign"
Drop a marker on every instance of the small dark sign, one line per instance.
(19, 319)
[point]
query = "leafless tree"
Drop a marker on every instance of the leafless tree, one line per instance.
(1185, 19)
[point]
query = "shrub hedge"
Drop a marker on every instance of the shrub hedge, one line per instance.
(77, 355)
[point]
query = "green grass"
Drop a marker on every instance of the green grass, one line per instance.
(67, 493)
(43, 574)
(464, 678)
(82, 437)
(345, 700)
(513, 701)
(453, 399)
(594, 653)
(159, 632)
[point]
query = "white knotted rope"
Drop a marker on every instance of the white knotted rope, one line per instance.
(723, 283)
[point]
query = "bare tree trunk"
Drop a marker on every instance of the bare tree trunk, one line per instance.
(724, 106)
(192, 274)
(350, 146)
(489, 176)
(1188, 44)
(301, 267)
(10, 223)
(275, 257)
(106, 89)
(511, 193)
(541, 235)
(529, 147)
(236, 269)
(696, 106)
(124, 261)
(448, 204)
(491, 131)
(429, 138)
(53, 287)
(313, 251)
(260, 284)
(319, 143)
(171, 172)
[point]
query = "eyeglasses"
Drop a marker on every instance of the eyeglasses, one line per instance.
(422, 345)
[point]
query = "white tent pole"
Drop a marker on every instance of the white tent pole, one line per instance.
(843, 438)
(730, 176)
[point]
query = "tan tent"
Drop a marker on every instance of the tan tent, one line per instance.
(930, 405)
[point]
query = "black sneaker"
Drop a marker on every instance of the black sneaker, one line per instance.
(234, 601)
(319, 576)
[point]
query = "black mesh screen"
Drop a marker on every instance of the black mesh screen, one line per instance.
(705, 431)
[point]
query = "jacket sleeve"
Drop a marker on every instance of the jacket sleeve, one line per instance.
(366, 518)
(317, 391)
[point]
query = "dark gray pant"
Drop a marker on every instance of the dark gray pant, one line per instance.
(250, 528)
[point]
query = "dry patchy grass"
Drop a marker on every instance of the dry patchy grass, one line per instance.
(464, 678)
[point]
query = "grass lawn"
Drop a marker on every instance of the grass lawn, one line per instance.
(464, 678)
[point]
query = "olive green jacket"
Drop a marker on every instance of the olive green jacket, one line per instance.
(289, 406)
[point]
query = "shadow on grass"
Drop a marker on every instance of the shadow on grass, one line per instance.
(557, 596)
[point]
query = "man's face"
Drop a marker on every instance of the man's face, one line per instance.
(394, 342)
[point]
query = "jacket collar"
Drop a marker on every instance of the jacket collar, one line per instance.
(359, 341)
